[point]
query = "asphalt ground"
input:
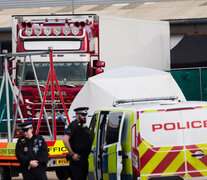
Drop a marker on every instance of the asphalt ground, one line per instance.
(50, 175)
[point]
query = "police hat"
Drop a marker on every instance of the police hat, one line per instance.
(25, 126)
(81, 110)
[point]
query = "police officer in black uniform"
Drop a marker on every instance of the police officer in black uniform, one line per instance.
(32, 153)
(78, 143)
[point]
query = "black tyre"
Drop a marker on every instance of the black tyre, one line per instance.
(4, 173)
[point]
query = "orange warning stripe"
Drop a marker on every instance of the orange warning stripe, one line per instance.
(15, 164)
(9, 164)
(8, 158)
(5, 164)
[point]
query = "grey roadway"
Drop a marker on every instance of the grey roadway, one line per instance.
(51, 176)
(49, 3)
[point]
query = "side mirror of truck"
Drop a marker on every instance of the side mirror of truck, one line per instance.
(99, 70)
(97, 63)
(100, 64)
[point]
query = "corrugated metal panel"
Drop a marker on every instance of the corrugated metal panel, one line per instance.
(169, 10)
(51, 3)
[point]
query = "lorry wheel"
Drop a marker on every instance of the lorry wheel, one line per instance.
(62, 173)
(4, 173)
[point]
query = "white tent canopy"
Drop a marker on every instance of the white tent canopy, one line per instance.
(125, 83)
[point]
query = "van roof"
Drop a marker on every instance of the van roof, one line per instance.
(161, 105)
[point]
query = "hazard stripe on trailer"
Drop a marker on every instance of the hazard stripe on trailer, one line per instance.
(55, 148)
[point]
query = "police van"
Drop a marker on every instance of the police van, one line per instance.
(149, 139)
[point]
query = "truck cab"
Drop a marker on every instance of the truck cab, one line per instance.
(74, 40)
(149, 140)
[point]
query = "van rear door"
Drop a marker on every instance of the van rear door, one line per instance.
(195, 139)
(161, 144)
(110, 153)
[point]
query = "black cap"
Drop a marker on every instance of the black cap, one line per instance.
(25, 126)
(81, 110)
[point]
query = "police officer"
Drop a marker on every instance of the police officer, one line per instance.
(78, 143)
(32, 153)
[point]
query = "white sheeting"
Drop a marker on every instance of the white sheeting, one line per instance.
(125, 83)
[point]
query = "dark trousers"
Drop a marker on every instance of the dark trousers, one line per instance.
(79, 169)
(37, 173)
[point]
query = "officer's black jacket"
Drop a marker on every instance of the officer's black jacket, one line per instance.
(32, 149)
(79, 138)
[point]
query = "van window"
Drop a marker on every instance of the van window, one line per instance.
(103, 119)
(92, 126)
(125, 129)
(113, 127)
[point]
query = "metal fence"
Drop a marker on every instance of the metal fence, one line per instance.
(193, 82)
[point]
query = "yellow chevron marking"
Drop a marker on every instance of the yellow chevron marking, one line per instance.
(142, 150)
(154, 162)
(184, 177)
(202, 146)
(145, 144)
(176, 163)
(167, 174)
(196, 163)
(205, 151)
(167, 149)
(150, 111)
(204, 173)
(144, 177)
